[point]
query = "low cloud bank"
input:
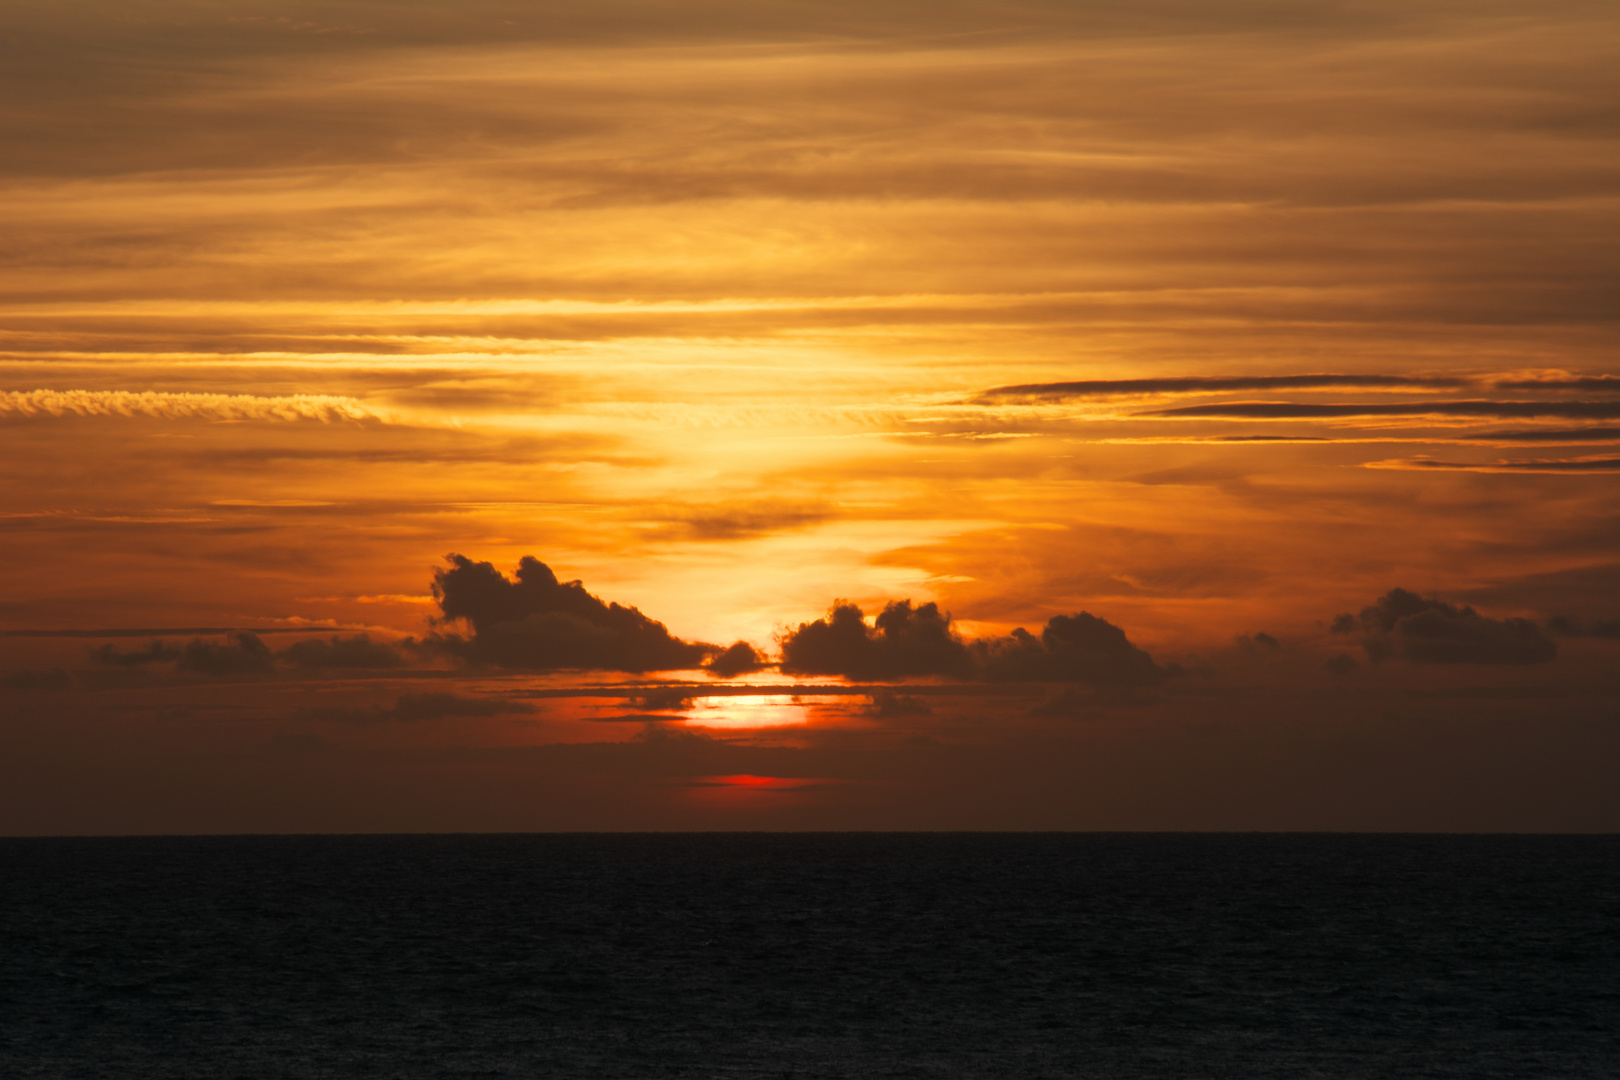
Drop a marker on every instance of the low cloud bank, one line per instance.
(539, 623)
(245, 653)
(907, 641)
(1566, 626)
(1404, 625)
(1079, 648)
(239, 654)
(740, 659)
(357, 652)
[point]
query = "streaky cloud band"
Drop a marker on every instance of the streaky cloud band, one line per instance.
(1289, 410)
(1219, 384)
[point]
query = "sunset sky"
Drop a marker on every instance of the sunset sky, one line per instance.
(1214, 321)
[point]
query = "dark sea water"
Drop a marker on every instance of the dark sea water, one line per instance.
(851, 955)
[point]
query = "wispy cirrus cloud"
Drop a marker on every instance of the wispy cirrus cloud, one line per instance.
(178, 406)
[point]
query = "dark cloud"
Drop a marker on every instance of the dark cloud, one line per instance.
(663, 698)
(54, 679)
(1575, 382)
(887, 704)
(358, 651)
(1079, 648)
(1552, 435)
(1536, 465)
(539, 622)
(244, 652)
(1341, 664)
(911, 641)
(155, 652)
(905, 641)
(239, 654)
(1430, 631)
(1568, 626)
(740, 659)
(1290, 410)
(1213, 384)
(1261, 642)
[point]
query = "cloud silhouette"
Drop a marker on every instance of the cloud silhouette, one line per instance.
(905, 642)
(157, 651)
(242, 653)
(1080, 648)
(1430, 631)
(739, 659)
(358, 651)
(29, 680)
(886, 704)
(1567, 626)
(540, 623)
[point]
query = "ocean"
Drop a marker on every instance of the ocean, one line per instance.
(810, 955)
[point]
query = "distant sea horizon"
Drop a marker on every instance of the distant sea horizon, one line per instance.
(848, 954)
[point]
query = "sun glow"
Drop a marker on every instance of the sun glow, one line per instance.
(752, 710)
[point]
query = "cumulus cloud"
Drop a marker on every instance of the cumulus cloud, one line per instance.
(239, 654)
(244, 651)
(740, 659)
(1340, 664)
(887, 704)
(157, 651)
(1424, 630)
(358, 651)
(1080, 648)
(178, 406)
(538, 622)
(1566, 626)
(28, 680)
(905, 641)
(1260, 642)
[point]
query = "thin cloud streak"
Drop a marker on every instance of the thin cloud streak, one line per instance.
(1540, 465)
(174, 406)
(1214, 384)
(1277, 410)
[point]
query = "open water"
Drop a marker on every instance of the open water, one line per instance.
(803, 955)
